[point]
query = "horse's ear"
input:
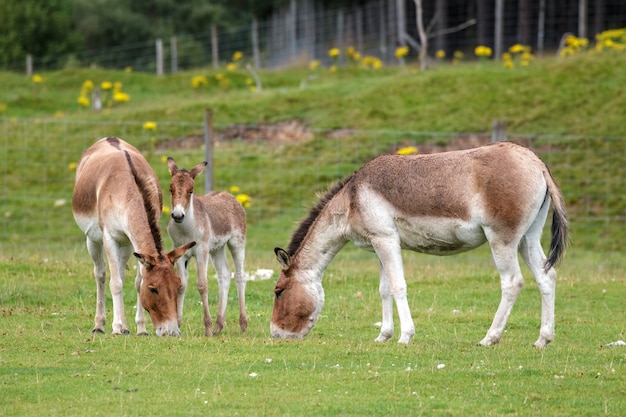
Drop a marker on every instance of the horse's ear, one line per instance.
(146, 260)
(179, 251)
(197, 170)
(171, 165)
(283, 258)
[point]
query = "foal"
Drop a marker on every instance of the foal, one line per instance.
(214, 220)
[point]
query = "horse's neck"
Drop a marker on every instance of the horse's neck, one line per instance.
(319, 247)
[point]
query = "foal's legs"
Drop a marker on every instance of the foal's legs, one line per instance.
(202, 282)
(238, 252)
(117, 257)
(511, 282)
(99, 273)
(223, 280)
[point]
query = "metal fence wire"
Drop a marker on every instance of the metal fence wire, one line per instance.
(38, 159)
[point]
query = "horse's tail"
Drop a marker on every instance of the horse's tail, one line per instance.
(560, 240)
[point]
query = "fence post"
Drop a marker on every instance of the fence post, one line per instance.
(174, 54)
(29, 65)
(497, 49)
(214, 46)
(208, 150)
(159, 56)
(498, 131)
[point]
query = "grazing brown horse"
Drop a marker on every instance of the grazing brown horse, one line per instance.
(117, 203)
(438, 204)
(216, 221)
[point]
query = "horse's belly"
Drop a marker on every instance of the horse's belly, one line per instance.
(439, 236)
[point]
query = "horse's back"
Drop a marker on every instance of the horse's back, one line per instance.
(104, 170)
(442, 203)
(223, 212)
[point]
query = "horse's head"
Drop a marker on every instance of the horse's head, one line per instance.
(181, 187)
(160, 287)
(298, 302)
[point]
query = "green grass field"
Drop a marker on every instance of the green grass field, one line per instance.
(51, 364)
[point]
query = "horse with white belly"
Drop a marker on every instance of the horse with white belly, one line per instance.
(117, 203)
(439, 204)
(216, 221)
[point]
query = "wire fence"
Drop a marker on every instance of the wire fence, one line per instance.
(280, 167)
(306, 30)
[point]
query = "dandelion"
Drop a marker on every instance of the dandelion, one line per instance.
(244, 199)
(164, 159)
(237, 56)
(71, 166)
(83, 101)
(3, 107)
(314, 64)
(87, 86)
(231, 66)
(249, 81)
(128, 69)
(441, 54)
(234, 189)
(483, 51)
(332, 68)
(106, 85)
(37, 79)
(518, 48)
(166, 210)
(334, 52)
(150, 126)
(120, 97)
(199, 81)
(407, 150)
(402, 51)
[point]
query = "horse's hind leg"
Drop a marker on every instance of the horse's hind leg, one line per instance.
(534, 257)
(223, 278)
(238, 252)
(386, 329)
(99, 273)
(511, 282)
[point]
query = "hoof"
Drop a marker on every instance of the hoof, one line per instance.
(97, 331)
(143, 333)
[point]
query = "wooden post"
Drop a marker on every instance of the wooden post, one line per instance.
(498, 131)
(174, 54)
(541, 27)
(208, 150)
(499, 23)
(582, 18)
(159, 57)
(214, 46)
(29, 65)
(256, 51)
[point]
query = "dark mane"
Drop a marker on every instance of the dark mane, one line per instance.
(302, 230)
(149, 209)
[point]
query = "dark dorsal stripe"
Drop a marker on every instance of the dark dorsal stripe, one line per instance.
(302, 230)
(115, 142)
(150, 210)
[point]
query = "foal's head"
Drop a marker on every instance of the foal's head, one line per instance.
(181, 187)
(298, 300)
(160, 287)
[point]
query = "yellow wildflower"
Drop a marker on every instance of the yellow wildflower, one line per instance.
(37, 79)
(334, 52)
(407, 150)
(150, 126)
(128, 69)
(314, 64)
(231, 66)
(483, 51)
(441, 54)
(83, 101)
(244, 199)
(106, 85)
(71, 166)
(401, 51)
(120, 97)
(199, 81)
(166, 210)
(234, 189)
(237, 56)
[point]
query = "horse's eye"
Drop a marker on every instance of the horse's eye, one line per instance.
(153, 290)
(278, 292)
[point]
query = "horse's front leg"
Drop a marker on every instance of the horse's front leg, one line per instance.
(389, 253)
(181, 268)
(140, 317)
(386, 330)
(202, 262)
